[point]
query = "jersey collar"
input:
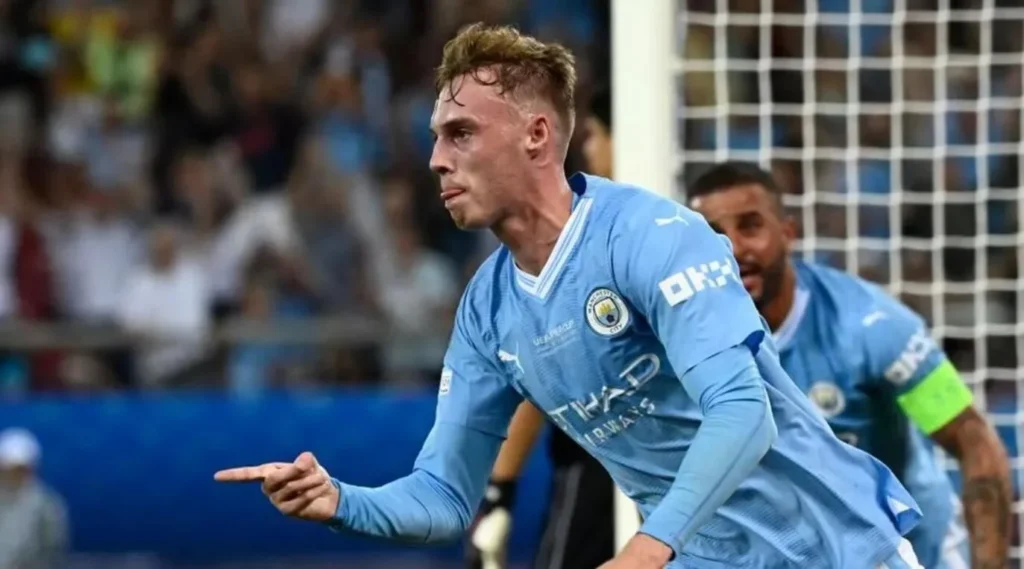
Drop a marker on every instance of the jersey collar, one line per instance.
(783, 335)
(542, 284)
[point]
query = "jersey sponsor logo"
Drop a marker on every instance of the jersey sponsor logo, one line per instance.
(828, 398)
(606, 413)
(914, 354)
(606, 312)
(691, 280)
(446, 382)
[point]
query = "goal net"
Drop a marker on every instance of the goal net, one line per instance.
(896, 126)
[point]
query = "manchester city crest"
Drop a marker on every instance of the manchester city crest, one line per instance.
(828, 398)
(606, 312)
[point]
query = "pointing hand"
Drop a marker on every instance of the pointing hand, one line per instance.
(300, 489)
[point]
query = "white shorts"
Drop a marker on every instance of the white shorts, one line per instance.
(905, 558)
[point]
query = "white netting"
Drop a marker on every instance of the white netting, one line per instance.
(897, 126)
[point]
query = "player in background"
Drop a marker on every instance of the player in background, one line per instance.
(579, 530)
(620, 314)
(872, 370)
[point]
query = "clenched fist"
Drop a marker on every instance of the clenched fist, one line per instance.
(301, 489)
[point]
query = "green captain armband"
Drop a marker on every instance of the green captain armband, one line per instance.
(937, 399)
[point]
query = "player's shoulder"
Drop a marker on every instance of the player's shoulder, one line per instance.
(627, 210)
(860, 306)
(475, 315)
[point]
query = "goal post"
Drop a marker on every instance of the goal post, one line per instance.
(643, 127)
(643, 100)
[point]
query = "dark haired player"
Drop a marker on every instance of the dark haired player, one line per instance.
(870, 367)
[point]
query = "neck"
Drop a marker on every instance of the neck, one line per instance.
(533, 228)
(776, 311)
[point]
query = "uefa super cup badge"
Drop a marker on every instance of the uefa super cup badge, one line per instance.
(606, 312)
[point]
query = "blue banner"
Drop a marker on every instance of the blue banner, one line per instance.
(137, 469)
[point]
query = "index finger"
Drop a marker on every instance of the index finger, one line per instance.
(248, 473)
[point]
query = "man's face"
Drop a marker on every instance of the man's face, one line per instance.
(597, 148)
(479, 150)
(749, 217)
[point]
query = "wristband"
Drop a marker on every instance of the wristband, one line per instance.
(499, 494)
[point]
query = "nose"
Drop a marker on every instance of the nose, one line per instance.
(440, 162)
(740, 248)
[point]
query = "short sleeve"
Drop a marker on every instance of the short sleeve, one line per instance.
(899, 348)
(473, 393)
(682, 277)
(901, 352)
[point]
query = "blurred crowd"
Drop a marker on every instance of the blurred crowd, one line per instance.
(234, 192)
(886, 126)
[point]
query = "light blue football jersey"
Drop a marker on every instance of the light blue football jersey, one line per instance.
(638, 292)
(854, 350)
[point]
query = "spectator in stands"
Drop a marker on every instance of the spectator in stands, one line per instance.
(26, 58)
(33, 264)
(33, 518)
(418, 292)
(335, 251)
(193, 105)
(122, 61)
(114, 153)
(166, 305)
(251, 367)
(349, 139)
(195, 111)
(96, 245)
(98, 249)
(234, 225)
(268, 128)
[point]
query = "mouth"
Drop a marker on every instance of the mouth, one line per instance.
(450, 193)
(751, 276)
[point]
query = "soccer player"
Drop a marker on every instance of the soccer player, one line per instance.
(871, 369)
(620, 314)
(579, 530)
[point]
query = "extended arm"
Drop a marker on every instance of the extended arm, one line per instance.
(436, 501)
